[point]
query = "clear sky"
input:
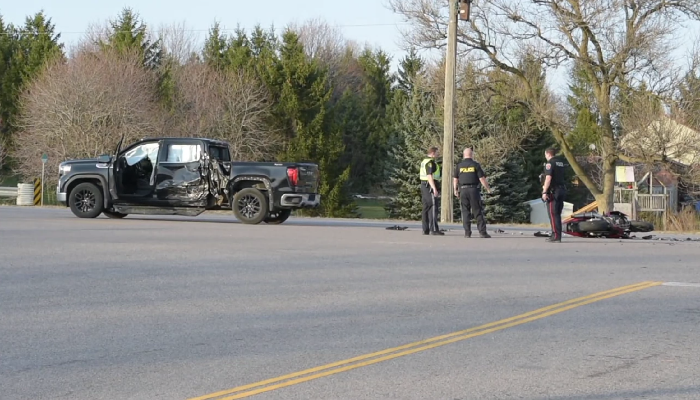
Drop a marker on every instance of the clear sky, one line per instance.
(364, 21)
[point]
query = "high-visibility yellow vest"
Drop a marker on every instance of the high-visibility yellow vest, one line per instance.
(423, 171)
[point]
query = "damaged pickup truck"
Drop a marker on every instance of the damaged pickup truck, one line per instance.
(185, 176)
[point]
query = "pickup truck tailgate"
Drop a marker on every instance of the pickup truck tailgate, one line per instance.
(309, 178)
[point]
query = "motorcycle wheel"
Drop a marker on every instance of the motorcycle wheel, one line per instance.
(641, 226)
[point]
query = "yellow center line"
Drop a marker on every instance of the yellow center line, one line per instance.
(423, 344)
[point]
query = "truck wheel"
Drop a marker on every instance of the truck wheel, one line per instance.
(278, 217)
(641, 226)
(598, 225)
(113, 214)
(86, 201)
(249, 206)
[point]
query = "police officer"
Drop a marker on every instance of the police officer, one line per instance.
(553, 192)
(467, 176)
(430, 176)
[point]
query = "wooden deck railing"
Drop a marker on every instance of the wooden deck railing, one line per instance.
(652, 202)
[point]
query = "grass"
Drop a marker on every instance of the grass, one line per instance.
(684, 221)
(371, 208)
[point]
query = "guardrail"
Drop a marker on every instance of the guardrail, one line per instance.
(9, 191)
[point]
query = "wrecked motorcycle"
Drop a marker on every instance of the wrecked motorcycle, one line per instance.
(611, 225)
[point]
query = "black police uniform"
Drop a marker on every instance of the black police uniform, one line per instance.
(468, 173)
(428, 198)
(555, 195)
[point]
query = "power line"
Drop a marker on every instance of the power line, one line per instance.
(21, 32)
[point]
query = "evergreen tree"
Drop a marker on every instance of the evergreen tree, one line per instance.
(506, 202)
(239, 52)
(128, 33)
(411, 66)
(313, 135)
(24, 53)
(416, 129)
(584, 115)
(349, 113)
(371, 130)
(38, 44)
(10, 77)
(215, 48)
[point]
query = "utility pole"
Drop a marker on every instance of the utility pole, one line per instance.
(461, 9)
(447, 201)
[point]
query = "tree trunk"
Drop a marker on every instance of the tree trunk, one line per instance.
(606, 200)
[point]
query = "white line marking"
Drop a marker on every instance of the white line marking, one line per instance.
(688, 284)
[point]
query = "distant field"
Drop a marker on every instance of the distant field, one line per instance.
(372, 208)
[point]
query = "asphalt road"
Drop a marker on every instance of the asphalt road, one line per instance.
(184, 308)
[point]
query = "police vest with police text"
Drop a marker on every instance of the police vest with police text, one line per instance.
(424, 173)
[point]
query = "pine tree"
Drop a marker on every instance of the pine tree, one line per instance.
(416, 129)
(239, 53)
(506, 202)
(24, 53)
(411, 66)
(412, 116)
(10, 77)
(313, 134)
(373, 127)
(215, 47)
(128, 33)
(349, 115)
(583, 113)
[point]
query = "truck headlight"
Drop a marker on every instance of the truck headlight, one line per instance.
(63, 168)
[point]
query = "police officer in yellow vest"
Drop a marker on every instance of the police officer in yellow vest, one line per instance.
(430, 177)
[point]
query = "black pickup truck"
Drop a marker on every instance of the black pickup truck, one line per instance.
(185, 176)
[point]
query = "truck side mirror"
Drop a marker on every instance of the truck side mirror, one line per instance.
(104, 159)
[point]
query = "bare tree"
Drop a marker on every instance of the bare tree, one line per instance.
(650, 133)
(328, 45)
(95, 34)
(80, 109)
(321, 40)
(480, 111)
(228, 105)
(178, 42)
(617, 42)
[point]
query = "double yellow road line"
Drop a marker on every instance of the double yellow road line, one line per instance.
(395, 352)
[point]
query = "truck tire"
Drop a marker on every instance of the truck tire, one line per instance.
(641, 226)
(113, 214)
(597, 225)
(86, 200)
(249, 206)
(278, 217)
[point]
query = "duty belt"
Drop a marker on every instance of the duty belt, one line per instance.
(471, 185)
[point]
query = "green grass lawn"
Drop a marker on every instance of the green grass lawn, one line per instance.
(371, 208)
